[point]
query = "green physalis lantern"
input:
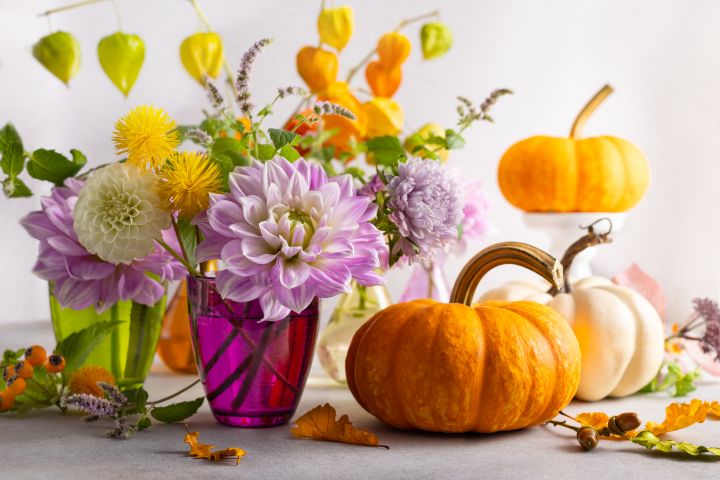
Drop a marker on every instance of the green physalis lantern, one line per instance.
(202, 55)
(121, 56)
(59, 52)
(436, 39)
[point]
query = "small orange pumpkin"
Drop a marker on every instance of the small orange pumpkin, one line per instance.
(383, 82)
(554, 174)
(317, 67)
(452, 368)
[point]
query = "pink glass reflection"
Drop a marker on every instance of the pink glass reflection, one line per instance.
(253, 372)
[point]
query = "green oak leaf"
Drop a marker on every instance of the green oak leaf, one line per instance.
(648, 440)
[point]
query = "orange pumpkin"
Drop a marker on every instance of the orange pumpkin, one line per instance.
(317, 67)
(393, 49)
(553, 174)
(383, 82)
(452, 368)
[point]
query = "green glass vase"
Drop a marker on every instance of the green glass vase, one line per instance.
(352, 311)
(128, 351)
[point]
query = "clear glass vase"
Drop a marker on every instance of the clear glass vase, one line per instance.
(352, 311)
(175, 347)
(128, 351)
(253, 372)
(427, 280)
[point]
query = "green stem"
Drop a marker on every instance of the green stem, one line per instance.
(562, 423)
(164, 399)
(191, 270)
(362, 294)
(115, 341)
(69, 7)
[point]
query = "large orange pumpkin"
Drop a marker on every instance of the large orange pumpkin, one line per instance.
(452, 368)
(554, 174)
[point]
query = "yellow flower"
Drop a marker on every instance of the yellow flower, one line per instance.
(186, 180)
(85, 379)
(336, 25)
(147, 135)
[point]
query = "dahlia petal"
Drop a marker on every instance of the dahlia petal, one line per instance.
(223, 214)
(87, 268)
(272, 309)
(256, 250)
(239, 289)
(66, 246)
(296, 299)
(290, 273)
(331, 281)
(38, 225)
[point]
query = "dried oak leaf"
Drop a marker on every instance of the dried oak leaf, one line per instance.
(201, 450)
(680, 415)
(320, 424)
(599, 421)
(714, 411)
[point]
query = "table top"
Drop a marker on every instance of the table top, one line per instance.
(47, 444)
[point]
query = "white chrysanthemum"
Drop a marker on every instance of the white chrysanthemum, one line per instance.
(118, 213)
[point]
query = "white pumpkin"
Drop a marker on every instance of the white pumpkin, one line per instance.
(620, 333)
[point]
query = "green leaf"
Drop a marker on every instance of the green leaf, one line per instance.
(13, 160)
(138, 398)
(14, 187)
(143, 423)
(9, 136)
(11, 357)
(280, 138)
(453, 140)
(266, 151)
(289, 153)
(77, 346)
(230, 147)
(177, 412)
(648, 440)
(54, 167)
(188, 237)
(387, 150)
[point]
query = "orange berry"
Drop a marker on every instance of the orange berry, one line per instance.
(55, 363)
(36, 355)
(8, 372)
(24, 369)
(15, 385)
(7, 401)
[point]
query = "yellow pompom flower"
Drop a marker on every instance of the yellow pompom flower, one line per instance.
(186, 180)
(147, 135)
(85, 380)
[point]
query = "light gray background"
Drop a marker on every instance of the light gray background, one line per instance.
(662, 56)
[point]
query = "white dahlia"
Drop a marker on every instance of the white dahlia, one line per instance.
(118, 214)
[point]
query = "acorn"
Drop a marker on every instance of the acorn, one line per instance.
(623, 423)
(15, 385)
(588, 438)
(24, 369)
(36, 355)
(55, 363)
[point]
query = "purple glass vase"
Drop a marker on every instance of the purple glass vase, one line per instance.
(253, 372)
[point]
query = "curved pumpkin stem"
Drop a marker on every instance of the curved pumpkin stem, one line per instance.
(505, 253)
(590, 239)
(588, 110)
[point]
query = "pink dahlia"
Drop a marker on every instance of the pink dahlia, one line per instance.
(286, 234)
(475, 224)
(82, 279)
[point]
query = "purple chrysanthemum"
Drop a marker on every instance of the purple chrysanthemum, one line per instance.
(426, 205)
(80, 278)
(286, 234)
(371, 188)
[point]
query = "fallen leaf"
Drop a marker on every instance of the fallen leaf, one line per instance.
(650, 441)
(680, 415)
(320, 424)
(203, 451)
(637, 279)
(714, 410)
(596, 420)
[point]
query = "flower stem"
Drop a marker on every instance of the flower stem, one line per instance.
(69, 7)
(191, 270)
(183, 390)
(404, 23)
(562, 423)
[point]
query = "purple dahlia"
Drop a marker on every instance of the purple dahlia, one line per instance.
(286, 234)
(82, 279)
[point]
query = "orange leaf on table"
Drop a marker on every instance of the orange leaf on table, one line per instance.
(596, 420)
(320, 424)
(681, 415)
(203, 451)
(714, 410)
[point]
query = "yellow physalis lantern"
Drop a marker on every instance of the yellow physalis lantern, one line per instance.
(336, 25)
(317, 67)
(202, 55)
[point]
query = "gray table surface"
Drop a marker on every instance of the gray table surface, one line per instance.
(48, 445)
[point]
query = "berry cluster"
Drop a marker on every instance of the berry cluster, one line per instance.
(16, 376)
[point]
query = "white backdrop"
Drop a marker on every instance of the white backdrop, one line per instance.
(662, 56)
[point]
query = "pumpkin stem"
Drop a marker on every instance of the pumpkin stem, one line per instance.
(588, 110)
(505, 253)
(590, 239)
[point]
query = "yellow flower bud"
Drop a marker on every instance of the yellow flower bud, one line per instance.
(436, 39)
(384, 117)
(421, 136)
(336, 25)
(383, 82)
(393, 49)
(317, 67)
(202, 55)
(121, 55)
(59, 52)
